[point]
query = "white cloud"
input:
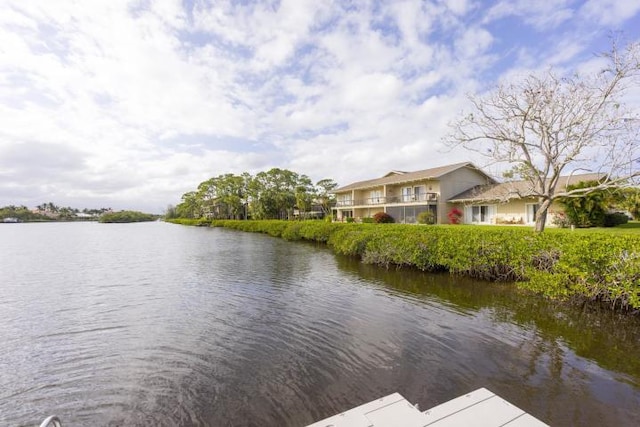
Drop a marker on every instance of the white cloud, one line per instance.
(542, 15)
(611, 12)
(459, 7)
(474, 41)
(147, 99)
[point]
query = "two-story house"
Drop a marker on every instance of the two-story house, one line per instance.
(404, 195)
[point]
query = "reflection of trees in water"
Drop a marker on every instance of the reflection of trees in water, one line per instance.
(611, 340)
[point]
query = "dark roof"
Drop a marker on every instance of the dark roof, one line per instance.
(398, 177)
(515, 189)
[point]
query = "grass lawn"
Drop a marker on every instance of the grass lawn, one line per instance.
(632, 227)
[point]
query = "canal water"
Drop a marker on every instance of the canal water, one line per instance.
(159, 324)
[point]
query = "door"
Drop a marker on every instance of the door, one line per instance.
(482, 214)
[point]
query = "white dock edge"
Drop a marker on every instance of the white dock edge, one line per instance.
(478, 408)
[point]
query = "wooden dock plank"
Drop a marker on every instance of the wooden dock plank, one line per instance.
(486, 413)
(356, 417)
(400, 413)
(458, 404)
(479, 408)
(526, 420)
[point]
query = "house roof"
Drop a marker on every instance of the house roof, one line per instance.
(399, 177)
(515, 189)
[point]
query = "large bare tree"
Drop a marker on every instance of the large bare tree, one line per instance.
(550, 124)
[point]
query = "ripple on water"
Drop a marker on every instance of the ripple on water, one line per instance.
(164, 325)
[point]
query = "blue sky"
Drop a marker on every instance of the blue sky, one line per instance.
(129, 104)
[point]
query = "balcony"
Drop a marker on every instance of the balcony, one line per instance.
(376, 201)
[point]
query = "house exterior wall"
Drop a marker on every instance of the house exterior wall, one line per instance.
(453, 184)
(513, 212)
(364, 203)
(401, 199)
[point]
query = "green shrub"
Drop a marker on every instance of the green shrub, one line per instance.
(426, 217)
(368, 220)
(350, 239)
(614, 219)
(588, 210)
(292, 231)
(188, 221)
(126, 216)
(382, 218)
(350, 219)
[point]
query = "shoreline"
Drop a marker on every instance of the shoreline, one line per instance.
(588, 269)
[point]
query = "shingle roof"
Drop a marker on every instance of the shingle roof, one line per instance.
(398, 177)
(515, 189)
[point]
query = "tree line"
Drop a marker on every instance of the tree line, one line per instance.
(127, 216)
(273, 194)
(49, 212)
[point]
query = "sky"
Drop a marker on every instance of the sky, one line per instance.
(130, 104)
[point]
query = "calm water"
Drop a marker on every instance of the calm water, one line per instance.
(158, 324)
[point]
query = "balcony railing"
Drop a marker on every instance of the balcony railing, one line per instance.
(419, 198)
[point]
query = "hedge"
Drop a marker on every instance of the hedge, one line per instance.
(578, 267)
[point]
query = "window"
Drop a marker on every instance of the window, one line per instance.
(375, 197)
(406, 194)
(413, 194)
(416, 193)
(480, 214)
(345, 200)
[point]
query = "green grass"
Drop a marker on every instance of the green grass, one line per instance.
(631, 228)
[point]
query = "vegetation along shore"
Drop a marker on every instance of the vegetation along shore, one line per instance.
(592, 268)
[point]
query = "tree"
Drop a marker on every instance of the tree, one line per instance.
(51, 207)
(269, 195)
(126, 216)
(588, 210)
(548, 124)
(305, 195)
(233, 194)
(190, 207)
(629, 200)
(273, 194)
(325, 198)
(170, 212)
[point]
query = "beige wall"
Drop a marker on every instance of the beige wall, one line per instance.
(453, 184)
(512, 211)
(448, 186)
(366, 212)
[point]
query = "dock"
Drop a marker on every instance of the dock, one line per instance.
(480, 408)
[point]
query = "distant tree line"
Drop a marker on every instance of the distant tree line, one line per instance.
(50, 212)
(127, 216)
(274, 194)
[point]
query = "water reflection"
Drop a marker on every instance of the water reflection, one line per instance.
(597, 334)
(167, 325)
(554, 345)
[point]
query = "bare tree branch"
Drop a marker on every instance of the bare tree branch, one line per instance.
(545, 125)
